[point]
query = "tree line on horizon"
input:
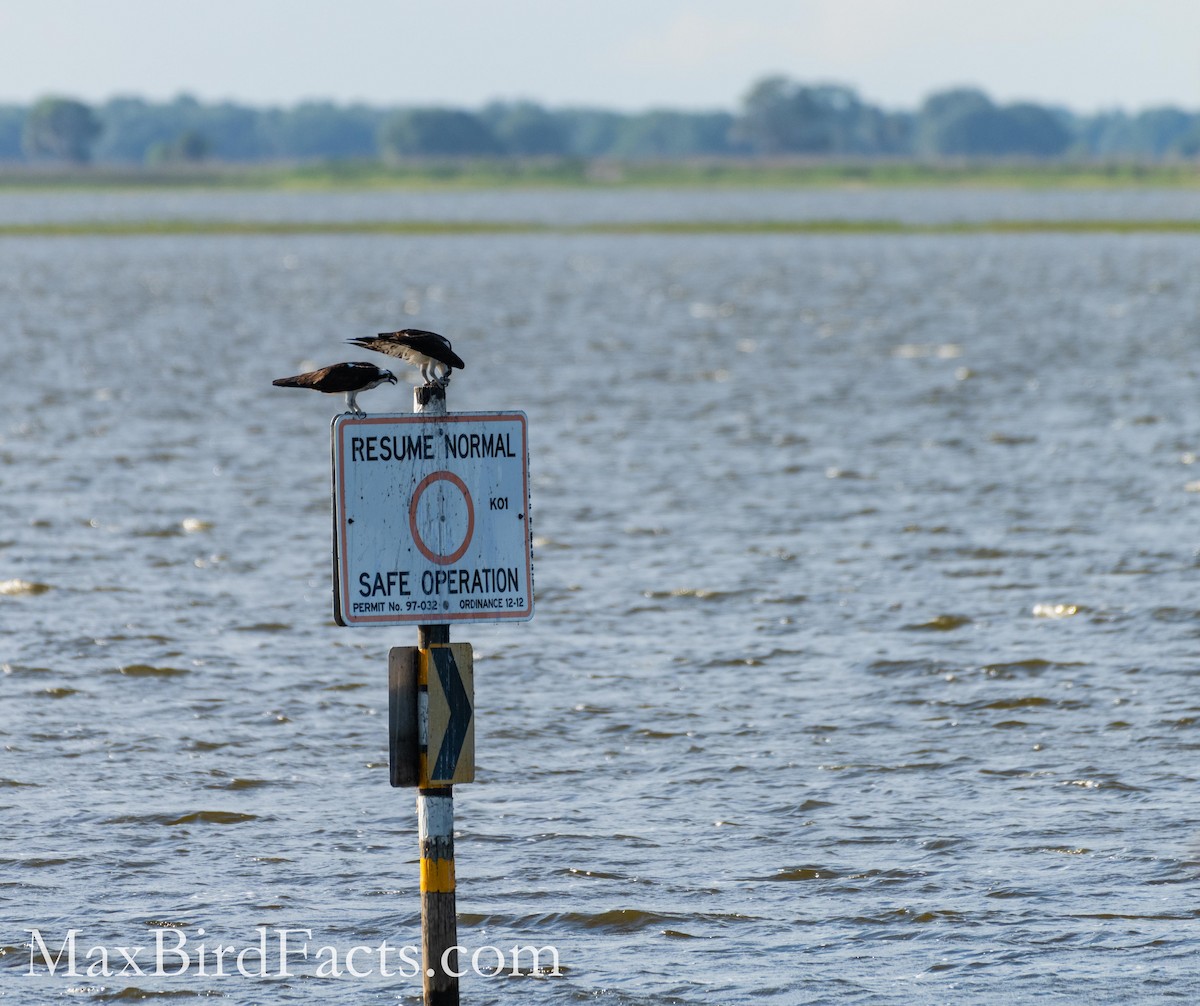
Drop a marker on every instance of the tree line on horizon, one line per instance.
(778, 117)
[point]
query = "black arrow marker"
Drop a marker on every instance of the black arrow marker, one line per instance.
(460, 712)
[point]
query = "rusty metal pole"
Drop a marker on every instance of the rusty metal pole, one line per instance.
(435, 814)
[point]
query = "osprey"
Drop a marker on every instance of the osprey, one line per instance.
(341, 378)
(427, 350)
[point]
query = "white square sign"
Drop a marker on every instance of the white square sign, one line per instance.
(431, 518)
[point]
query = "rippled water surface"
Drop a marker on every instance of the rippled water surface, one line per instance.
(864, 661)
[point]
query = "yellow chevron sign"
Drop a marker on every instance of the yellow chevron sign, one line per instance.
(445, 674)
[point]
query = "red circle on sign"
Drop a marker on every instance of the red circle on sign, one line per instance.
(430, 554)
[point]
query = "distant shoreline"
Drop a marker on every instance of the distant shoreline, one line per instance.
(427, 228)
(574, 173)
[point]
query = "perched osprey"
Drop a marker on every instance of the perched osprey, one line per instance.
(341, 378)
(427, 350)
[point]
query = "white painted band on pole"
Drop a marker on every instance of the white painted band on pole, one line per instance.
(435, 815)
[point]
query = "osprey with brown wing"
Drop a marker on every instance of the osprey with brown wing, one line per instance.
(427, 350)
(341, 378)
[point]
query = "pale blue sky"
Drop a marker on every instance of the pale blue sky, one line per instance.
(628, 54)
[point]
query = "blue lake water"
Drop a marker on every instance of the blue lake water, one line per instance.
(865, 637)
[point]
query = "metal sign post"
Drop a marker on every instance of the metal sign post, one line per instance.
(435, 820)
(431, 526)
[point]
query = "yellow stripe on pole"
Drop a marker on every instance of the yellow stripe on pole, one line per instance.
(423, 667)
(437, 876)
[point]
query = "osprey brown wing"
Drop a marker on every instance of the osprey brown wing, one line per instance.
(413, 345)
(429, 343)
(337, 378)
(347, 378)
